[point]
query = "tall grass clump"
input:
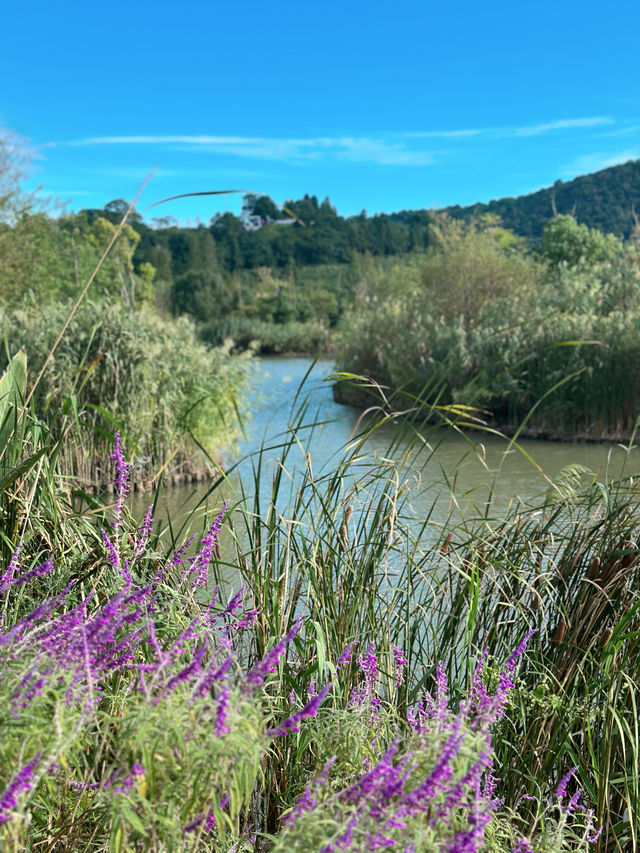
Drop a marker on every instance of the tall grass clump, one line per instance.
(549, 336)
(150, 377)
(135, 717)
(145, 710)
(344, 546)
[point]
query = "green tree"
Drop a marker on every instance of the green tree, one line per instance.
(565, 241)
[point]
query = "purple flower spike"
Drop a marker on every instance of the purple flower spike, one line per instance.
(142, 534)
(269, 663)
(112, 554)
(400, 662)
(523, 845)
(308, 799)
(22, 781)
(365, 695)
(7, 576)
(39, 572)
(346, 655)
(199, 565)
(561, 790)
(291, 724)
(221, 713)
(120, 481)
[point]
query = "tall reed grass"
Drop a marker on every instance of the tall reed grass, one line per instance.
(142, 712)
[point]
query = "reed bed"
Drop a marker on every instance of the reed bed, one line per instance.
(146, 376)
(348, 598)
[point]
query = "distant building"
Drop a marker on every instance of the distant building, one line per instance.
(253, 222)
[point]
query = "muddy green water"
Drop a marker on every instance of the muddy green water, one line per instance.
(474, 466)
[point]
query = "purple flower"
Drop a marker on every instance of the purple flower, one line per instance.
(221, 712)
(346, 655)
(210, 676)
(142, 534)
(523, 845)
(9, 572)
(365, 695)
(489, 708)
(199, 565)
(307, 801)
(269, 663)
(561, 790)
(120, 481)
(39, 572)
(291, 724)
(22, 781)
(112, 554)
(400, 662)
(178, 556)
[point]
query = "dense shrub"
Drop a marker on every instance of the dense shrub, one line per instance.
(149, 376)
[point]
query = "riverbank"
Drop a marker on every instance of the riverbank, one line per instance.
(363, 398)
(150, 707)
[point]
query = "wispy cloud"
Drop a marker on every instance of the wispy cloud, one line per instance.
(391, 149)
(348, 148)
(445, 134)
(599, 160)
(507, 132)
(562, 124)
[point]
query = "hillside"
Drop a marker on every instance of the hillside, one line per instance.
(603, 200)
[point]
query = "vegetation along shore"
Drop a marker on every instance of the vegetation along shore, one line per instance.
(312, 667)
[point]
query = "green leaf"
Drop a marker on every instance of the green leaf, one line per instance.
(21, 469)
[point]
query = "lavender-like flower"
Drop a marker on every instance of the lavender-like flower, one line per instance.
(400, 662)
(291, 724)
(120, 481)
(523, 845)
(365, 695)
(561, 790)
(22, 781)
(489, 708)
(199, 565)
(142, 534)
(178, 556)
(308, 800)
(113, 557)
(38, 572)
(269, 663)
(8, 574)
(129, 779)
(222, 711)
(346, 655)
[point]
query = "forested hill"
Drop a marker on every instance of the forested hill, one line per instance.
(309, 233)
(603, 200)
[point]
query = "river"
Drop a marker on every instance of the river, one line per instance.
(453, 470)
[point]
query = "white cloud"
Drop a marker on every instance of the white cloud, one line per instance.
(349, 148)
(562, 124)
(506, 132)
(446, 134)
(600, 160)
(392, 149)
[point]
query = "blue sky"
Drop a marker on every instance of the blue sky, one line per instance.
(379, 105)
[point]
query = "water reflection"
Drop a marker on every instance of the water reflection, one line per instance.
(454, 471)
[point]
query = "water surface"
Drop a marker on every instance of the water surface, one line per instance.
(456, 471)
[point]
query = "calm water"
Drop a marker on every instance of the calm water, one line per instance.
(474, 465)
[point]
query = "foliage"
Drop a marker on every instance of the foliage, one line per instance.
(564, 241)
(604, 200)
(343, 550)
(479, 322)
(152, 378)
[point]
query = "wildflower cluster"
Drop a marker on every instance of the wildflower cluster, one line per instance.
(82, 654)
(431, 790)
(153, 666)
